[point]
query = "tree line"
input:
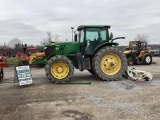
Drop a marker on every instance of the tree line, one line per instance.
(16, 45)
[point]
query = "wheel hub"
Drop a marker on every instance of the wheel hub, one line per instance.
(110, 64)
(148, 59)
(59, 69)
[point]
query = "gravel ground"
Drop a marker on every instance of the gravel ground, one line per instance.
(100, 100)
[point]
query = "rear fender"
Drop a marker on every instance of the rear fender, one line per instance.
(105, 44)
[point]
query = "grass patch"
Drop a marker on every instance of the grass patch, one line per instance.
(12, 61)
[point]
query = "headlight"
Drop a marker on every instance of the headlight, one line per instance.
(44, 48)
(57, 48)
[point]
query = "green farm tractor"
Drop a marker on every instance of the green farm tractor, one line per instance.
(92, 50)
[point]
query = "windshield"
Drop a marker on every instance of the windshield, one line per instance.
(93, 34)
(94, 37)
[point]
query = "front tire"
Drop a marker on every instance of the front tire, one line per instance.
(109, 63)
(147, 59)
(59, 69)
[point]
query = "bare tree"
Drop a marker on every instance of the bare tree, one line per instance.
(18, 47)
(12, 43)
(143, 38)
(39, 48)
(42, 43)
(31, 46)
(49, 37)
(15, 44)
(56, 37)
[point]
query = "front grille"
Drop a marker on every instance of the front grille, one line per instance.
(62, 47)
(49, 50)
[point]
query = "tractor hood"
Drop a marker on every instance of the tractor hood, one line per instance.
(61, 48)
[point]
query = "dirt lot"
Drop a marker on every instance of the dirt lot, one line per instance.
(100, 100)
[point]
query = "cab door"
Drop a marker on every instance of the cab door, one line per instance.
(94, 37)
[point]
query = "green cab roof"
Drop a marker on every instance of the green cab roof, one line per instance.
(93, 26)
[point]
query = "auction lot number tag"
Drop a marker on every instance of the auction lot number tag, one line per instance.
(24, 75)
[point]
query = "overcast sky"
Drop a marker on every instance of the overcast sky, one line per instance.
(29, 20)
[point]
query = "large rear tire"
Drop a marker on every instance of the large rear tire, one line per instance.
(59, 69)
(109, 63)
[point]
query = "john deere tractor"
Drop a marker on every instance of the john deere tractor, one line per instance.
(92, 50)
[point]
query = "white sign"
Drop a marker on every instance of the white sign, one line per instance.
(24, 75)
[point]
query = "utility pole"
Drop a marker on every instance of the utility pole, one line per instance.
(72, 32)
(4, 45)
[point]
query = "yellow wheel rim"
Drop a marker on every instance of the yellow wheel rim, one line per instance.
(59, 70)
(111, 64)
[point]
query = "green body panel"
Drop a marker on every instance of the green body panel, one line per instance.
(105, 44)
(63, 48)
(66, 49)
(39, 62)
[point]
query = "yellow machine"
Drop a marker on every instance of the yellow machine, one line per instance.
(31, 57)
(34, 56)
(136, 53)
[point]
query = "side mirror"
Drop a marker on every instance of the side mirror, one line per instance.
(117, 38)
(111, 36)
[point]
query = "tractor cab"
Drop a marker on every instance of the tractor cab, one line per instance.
(138, 47)
(91, 37)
